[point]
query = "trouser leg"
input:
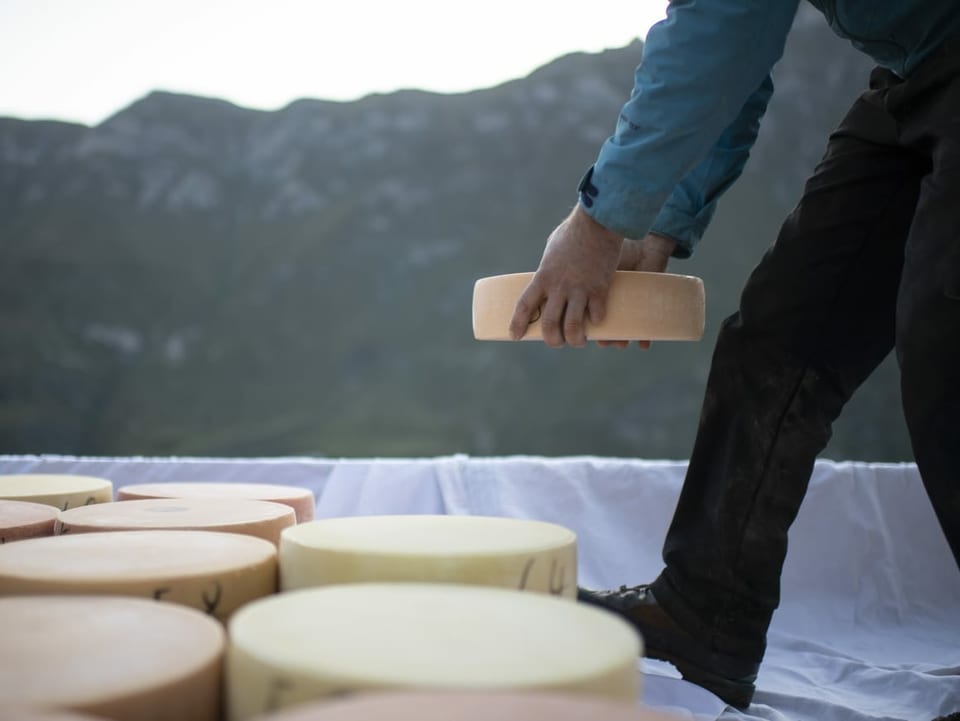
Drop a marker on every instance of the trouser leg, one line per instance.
(816, 317)
(928, 320)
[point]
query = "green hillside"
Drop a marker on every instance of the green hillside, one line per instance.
(195, 278)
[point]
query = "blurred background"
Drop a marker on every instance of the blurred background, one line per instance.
(247, 229)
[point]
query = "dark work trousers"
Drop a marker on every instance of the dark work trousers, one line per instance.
(868, 262)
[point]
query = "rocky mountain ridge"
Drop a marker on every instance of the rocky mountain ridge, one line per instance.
(193, 277)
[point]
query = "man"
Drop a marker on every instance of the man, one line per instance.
(868, 261)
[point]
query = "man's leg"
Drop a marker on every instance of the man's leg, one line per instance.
(816, 317)
(928, 308)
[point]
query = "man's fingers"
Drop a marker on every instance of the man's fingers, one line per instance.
(574, 332)
(526, 310)
(597, 309)
(551, 321)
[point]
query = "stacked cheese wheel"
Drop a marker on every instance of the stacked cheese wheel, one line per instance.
(59, 490)
(126, 659)
(503, 552)
(450, 603)
(469, 706)
(22, 519)
(324, 642)
(299, 499)
(216, 573)
(230, 515)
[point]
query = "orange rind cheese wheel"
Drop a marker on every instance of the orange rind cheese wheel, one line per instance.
(126, 659)
(301, 500)
(212, 572)
(262, 519)
(640, 306)
(22, 519)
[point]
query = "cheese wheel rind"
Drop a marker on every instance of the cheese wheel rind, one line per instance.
(22, 519)
(640, 306)
(470, 706)
(301, 500)
(262, 519)
(216, 573)
(313, 643)
(126, 659)
(60, 490)
(509, 553)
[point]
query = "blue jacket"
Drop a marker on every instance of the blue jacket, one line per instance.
(700, 90)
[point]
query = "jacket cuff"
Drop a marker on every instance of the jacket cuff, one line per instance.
(685, 230)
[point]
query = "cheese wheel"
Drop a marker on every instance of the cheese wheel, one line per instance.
(22, 519)
(301, 500)
(229, 515)
(62, 491)
(640, 306)
(32, 714)
(487, 551)
(122, 658)
(323, 642)
(467, 706)
(212, 572)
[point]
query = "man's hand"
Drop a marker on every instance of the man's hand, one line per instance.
(650, 254)
(571, 283)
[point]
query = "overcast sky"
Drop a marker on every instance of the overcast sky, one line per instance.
(83, 60)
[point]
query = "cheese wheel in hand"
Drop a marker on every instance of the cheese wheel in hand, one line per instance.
(21, 519)
(467, 706)
(127, 659)
(323, 642)
(228, 515)
(213, 572)
(62, 491)
(301, 500)
(640, 306)
(488, 551)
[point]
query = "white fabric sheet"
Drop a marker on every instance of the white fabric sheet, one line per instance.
(869, 625)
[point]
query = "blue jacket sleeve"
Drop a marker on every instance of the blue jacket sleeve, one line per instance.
(699, 91)
(689, 208)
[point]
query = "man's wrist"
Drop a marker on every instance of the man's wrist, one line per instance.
(660, 244)
(581, 217)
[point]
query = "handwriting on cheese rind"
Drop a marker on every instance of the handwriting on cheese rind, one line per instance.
(212, 599)
(525, 576)
(558, 575)
(276, 688)
(90, 500)
(159, 593)
(557, 583)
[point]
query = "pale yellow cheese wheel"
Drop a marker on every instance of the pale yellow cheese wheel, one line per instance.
(323, 642)
(127, 659)
(60, 490)
(22, 519)
(301, 500)
(469, 706)
(488, 551)
(213, 572)
(228, 515)
(640, 306)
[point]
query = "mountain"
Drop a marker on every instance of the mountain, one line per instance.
(191, 277)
